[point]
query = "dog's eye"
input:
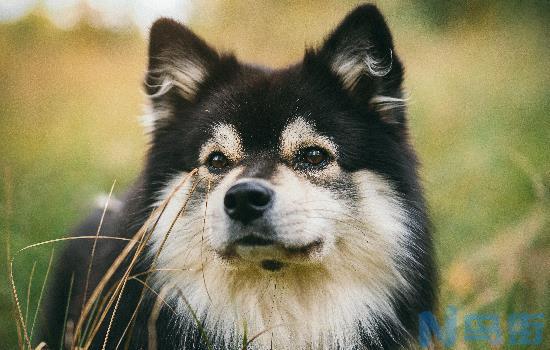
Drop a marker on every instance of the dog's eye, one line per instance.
(218, 161)
(314, 156)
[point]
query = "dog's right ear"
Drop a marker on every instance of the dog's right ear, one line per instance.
(179, 61)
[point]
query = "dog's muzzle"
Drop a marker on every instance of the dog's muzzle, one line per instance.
(253, 238)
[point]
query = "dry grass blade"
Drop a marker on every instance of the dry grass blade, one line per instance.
(18, 305)
(178, 215)
(119, 292)
(99, 304)
(41, 293)
(103, 312)
(202, 239)
(152, 321)
(8, 195)
(95, 243)
(155, 312)
(159, 270)
(158, 295)
(157, 213)
(98, 290)
(138, 238)
(41, 346)
(68, 239)
(62, 342)
(19, 314)
(28, 339)
(29, 285)
(94, 309)
(181, 211)
(101, 285)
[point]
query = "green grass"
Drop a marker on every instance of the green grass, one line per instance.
(480, 103)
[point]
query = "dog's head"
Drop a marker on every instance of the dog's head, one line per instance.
(303, 173)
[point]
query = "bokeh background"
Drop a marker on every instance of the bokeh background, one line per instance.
(478, 76)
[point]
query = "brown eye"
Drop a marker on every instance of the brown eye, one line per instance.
(218, 161)
(314, 156)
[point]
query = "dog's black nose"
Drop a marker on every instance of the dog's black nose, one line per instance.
(247, 201)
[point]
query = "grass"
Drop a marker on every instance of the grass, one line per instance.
(479, 118)
(110, 301)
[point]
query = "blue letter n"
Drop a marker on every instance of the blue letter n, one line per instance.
(428, 326)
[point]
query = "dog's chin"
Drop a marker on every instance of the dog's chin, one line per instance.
(271, 256)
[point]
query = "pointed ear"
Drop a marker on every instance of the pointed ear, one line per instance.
(178, 60)
(360, 53)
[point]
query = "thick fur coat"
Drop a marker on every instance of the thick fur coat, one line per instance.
(277, 207)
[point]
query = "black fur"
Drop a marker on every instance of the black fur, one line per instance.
(259, 101)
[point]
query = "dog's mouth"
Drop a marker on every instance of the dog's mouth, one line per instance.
(252, 240)
(271, 255)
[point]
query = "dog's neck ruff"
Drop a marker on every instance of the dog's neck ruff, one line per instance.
(329, 305)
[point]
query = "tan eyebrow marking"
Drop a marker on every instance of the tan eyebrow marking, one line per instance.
(225, 139)
(300, 134)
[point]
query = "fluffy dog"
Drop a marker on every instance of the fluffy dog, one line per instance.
(279, 208)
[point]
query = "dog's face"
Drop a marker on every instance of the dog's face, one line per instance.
(304, 180)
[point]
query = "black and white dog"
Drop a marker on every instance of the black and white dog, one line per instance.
(281, 207)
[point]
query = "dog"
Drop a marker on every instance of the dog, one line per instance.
(277, 209)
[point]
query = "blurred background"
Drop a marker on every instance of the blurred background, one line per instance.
(479, 83)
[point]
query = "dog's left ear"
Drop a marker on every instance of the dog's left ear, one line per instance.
(360, 53)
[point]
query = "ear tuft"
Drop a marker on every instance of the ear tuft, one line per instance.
(177, 58)
(351, 66)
